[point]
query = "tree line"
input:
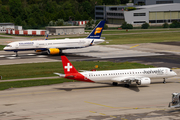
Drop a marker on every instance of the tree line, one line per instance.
(38, 13)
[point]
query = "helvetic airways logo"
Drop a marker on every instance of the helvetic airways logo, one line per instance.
(98, 30)
(68, 67)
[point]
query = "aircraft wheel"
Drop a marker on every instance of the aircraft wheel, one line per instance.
(127, 85)
(114, 83)
(164, 81)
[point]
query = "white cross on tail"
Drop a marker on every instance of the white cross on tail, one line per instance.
(68, 67)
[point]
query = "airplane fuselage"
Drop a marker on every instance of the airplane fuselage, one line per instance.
(47, 44)
(116, 75)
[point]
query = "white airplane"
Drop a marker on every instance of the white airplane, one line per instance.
(56, 46)
(141, 76)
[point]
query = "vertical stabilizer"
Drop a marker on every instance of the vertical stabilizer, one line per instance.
(96, 33)
(46, 38)
(67, 66)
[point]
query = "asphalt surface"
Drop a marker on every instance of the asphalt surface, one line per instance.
(90, 101)
(87, 101)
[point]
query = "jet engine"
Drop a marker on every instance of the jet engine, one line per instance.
(144, 81)
(38, 50)
(54, 51)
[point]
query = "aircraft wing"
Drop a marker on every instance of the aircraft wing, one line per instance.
(124, 79)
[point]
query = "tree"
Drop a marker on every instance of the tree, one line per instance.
(15, 7)
(87, 7)
(111, 2)
(124, 1)
(61, 14)
(175, 24)
(126, 26)
(145, 25)
(97, 21)
(59, 22)
(77, 16)
(18, 21)
(85, 16)
(165, 25)
(105, 26)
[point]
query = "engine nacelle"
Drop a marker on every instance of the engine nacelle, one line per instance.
(144, 81)
(38, 50)
(53, 51)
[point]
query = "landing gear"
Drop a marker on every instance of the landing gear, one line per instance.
(114, 83)
(164, 81)
(16, 53)
(126, 85)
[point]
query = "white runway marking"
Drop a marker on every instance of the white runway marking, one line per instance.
(31, 54)
(2, 56)
(41, 56)
(13, 57)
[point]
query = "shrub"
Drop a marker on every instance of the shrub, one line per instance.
(175, 24)
(145, 25)
(105, 26)
(126, 26)
(165, 25)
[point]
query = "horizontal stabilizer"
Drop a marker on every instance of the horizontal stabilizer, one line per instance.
(60, 75)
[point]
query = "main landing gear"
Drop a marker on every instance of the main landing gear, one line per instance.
(164, 81)
(16, 53)
(126, 85)
(114, 83)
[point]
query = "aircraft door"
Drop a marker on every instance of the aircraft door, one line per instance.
(85, 76)
(36, 44)
(16, 45)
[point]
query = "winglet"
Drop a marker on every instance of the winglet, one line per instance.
(96, 33)
(67, 66)
(46, 38)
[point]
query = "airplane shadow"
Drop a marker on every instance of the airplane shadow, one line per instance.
(132, 87)
(174, 110)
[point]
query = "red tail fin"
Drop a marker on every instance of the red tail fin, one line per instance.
(67, 66)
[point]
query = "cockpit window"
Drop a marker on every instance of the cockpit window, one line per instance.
(8, 46)
(170, 70)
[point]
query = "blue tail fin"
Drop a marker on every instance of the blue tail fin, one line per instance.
(46, 38)
(96, 33)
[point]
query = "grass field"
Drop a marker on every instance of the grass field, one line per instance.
(19, 84)
(47, 69)
(138, 31)
(1, 47)
(141, 38)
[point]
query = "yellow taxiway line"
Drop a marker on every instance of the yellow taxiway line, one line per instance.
(134, 46)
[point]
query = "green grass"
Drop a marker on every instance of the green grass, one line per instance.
(2, 46)
(4, 37)
(141, 38)
(33, 70)
(20, 84)
(47, 69)
(137, 31)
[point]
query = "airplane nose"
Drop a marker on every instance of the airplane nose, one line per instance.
(175, 73)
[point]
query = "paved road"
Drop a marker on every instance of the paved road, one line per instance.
(90, 101)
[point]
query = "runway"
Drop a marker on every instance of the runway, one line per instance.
(156, 54)
(90, 101)
(87, 101)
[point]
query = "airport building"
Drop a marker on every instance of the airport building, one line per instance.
(136, 15)
(64, 30)
(10, 26)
